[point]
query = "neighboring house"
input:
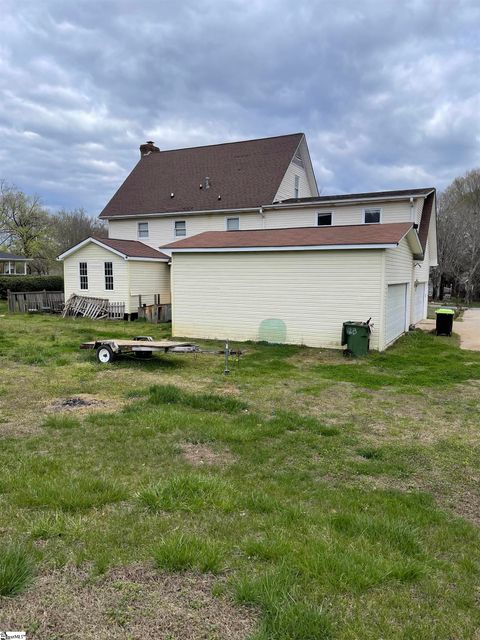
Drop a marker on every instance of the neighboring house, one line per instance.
(12, 264)
(258, 254)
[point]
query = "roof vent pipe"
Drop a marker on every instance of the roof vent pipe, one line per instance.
(207, 183)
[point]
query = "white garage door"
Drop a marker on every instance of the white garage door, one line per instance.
(396, 311)
(419, 306)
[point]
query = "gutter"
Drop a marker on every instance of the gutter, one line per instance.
(323, 247)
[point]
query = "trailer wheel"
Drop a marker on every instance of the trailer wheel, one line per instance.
(105, 354)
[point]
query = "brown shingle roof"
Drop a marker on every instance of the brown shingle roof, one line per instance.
(245, 174)
(363, 234)
(132, 248)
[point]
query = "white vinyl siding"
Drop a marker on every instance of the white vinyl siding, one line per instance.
(286, 189)
(160, 229)
(299, 297)
(399, 269)
(148, 279)
(95, 258)
(420, 302)
(161, 232)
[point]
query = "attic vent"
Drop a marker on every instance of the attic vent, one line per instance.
(297, 159)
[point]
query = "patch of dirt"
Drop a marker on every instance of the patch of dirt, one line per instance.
(84, 402)
(199, 455)
(132, 602)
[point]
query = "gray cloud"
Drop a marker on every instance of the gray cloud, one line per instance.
(387, 93)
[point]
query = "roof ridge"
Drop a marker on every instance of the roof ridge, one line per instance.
(224, 144)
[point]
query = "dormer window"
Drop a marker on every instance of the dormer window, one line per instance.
(296, 187)
(372, 215)
(324, 219)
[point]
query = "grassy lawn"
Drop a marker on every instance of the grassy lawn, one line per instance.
(302, 497)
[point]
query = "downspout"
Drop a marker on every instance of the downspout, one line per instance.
(412, 212)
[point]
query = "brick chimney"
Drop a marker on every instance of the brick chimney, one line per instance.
(148, 148)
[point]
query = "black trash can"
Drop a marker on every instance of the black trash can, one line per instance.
(444, 325)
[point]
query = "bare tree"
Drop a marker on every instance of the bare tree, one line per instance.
(459, 234)
(71, 227)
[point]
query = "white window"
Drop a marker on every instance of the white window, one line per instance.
(324, 219)
(233, 224)
(83, 275)
(180, 228)
(143, 229)
(372, 215)
(297, 186)
(109, 276)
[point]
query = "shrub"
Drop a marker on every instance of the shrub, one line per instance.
(30, 283)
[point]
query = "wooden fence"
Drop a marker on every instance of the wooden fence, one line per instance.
(156, 312)
(116, 310)
(52, 302)
(44, 301)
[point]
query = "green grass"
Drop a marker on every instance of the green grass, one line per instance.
(188, 493)
(182, 552)
(16, 570)
(61, 422)
(346, 506)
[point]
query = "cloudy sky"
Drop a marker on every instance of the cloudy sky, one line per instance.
(387, 91)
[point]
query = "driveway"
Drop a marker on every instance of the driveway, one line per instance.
(468, 329)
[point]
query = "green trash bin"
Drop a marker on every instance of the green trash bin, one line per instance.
(356, 335)
(444, 321)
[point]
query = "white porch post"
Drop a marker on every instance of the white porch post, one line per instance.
(24, 268)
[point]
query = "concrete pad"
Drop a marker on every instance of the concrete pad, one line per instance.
(426, 325)
(469, 330)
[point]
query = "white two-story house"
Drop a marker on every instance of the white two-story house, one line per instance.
(238, 238)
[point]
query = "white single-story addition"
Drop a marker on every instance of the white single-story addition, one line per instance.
(296, 285)
(248, 249)
(118, 270)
